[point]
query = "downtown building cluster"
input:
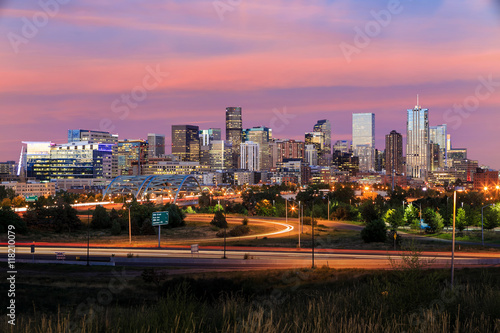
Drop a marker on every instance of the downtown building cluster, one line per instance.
(91, 159)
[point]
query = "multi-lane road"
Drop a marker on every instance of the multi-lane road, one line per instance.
(239, 258)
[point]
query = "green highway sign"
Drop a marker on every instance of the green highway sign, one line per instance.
(159, 218)
(31, 198)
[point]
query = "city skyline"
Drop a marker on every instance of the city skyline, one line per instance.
(283, 79)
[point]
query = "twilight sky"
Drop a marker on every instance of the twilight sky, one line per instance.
(136, 67)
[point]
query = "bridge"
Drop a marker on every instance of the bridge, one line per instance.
(155, 186)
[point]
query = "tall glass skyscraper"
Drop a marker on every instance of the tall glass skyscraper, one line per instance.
(439, 135)
(363, 139)
(234, 128)
(262, 136)
(417, 142)
(186, 142)
(325, 127)
(156, 143)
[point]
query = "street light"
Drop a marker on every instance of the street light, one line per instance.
(129, 226)
(453, 237)
(225, 225)
(482, 223)
(298, 215)
(88, 235)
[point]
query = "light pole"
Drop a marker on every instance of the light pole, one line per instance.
(482, 223)
(225, 226)
(453, 236)
(312, 227)
(129, 226)
(88, 235)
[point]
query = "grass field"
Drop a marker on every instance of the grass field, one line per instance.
(305, 300)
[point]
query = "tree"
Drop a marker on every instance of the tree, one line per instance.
(433, 219)
(492, 217)
(116, 228)
(264, 208)
(344, 212)
(18, 201)
(375, 231)
(369, 212)
(7, 193)
(176, 217)
(219, 220)
(394, 217)
(461, 219)
(6, 202)
(9, 217)
(100, 218)
(411, 216)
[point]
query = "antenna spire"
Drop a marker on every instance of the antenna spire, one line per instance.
(417, 101)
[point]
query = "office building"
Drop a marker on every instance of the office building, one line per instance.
(290, 149)
(8, 168)
(262, 136)
(417, 142)
(486, 181)
(81, 159)
(91, 136)
(316, 140)
(342, 146)
(32, 188)
(209, 135)
(456, 154)
(186, 143)
(156, 143)
(311, 155)
(363, 140)
(126, 152)
(439, 135)
(234, 128)
(394, 153)
(325, 127)
(250, 157)
(221, 155)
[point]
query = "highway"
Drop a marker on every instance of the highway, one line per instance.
(210, 258)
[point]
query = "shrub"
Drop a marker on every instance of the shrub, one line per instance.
(219, 220)
(244, 221)
(100, 218)
(375, 231)
(307, 220)
(239, 230)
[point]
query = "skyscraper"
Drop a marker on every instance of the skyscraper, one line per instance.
(186, 142)
(209, 135)
(250, 156)
(342, 146)
(125, 153)
(234, 128)
(417, 142)
(439, 135)
(363, 139)
(394, 153)
(156, 144)
(324, 126)
(221, 155)
(260, 135)
(314, 140)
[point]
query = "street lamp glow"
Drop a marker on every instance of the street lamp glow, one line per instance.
(366, 188)
(485, 188)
